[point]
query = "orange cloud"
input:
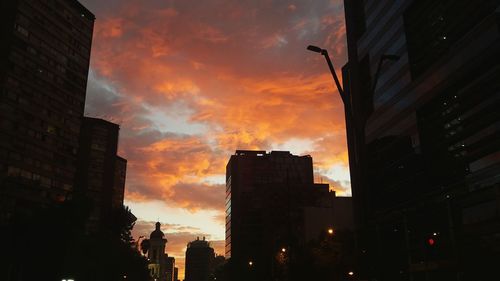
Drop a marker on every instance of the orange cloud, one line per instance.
(110, 28)
(221, 61)
(240, 70)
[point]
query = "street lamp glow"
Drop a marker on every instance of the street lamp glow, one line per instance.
(283, 250)
(350, 273)
(330, 231)
(250, 263)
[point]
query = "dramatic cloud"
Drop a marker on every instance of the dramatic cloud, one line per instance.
(191, 81)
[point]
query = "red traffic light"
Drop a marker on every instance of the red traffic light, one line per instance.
(431, 241)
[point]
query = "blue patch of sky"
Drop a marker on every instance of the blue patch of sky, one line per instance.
(174, 118)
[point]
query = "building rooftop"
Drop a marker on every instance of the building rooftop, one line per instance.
(157, 233)
(199, 243)
(274, 153)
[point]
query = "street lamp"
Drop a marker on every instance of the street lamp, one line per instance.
(330, 231)
(283, 250)
(324, 52)
(332, 69)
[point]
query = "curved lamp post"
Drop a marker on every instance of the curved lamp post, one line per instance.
(324, 52)
(332, 69)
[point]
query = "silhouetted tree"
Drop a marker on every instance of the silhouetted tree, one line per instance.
(145, 244)
(52, 244)
(325, 258)
(122, 223)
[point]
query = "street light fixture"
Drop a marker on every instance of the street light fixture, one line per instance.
(324, 52)
(283, 250)
(330, 231)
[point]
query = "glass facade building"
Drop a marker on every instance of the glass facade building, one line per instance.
(424, 145)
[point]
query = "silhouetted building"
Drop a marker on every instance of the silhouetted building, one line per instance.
(176, 274)
(160, 264)
(424, 145)
(101, 173)
(199, 259)
(272, 203)
(44, 62)
(170, 268)
(119, 182)
(331, 212)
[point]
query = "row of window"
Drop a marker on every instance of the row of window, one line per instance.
(37, 178)
(54, 24)
(40, 130)
(80, 19)
(44, 68)
(51, 107)
(39, 151)
(52, 91)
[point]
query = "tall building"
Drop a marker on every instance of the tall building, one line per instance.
(44, 63)
(199, 259)
(424, 144)
(100, 172)
(272, 203)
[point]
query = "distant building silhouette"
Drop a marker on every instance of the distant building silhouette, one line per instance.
(100, 171)
(199, 259)
(424, 143)
(170, 268)
(44, 63)
(161, 266)
(176, 274)
(273, 206)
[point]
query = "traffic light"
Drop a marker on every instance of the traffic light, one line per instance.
(431, 241)
(432, 245)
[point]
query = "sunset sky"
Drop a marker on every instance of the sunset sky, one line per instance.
(192, 81)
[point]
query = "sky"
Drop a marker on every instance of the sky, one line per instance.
(192, 81)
